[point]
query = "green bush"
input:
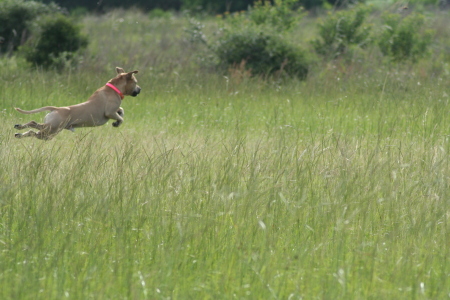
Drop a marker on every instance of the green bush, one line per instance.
(17, 20)
(255, 40)
(341, 31)
(57, 43)
(404, 39)
(262, 52)
(158, 13)
(280, 15)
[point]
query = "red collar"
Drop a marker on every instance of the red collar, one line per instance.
(115, 89)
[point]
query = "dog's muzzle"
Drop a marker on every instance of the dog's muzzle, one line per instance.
(136, 91)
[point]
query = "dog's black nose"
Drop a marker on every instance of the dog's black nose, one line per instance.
(136, 92)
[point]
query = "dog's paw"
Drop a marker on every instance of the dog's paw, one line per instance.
(116, 124)
(18, 135)
(17, 126)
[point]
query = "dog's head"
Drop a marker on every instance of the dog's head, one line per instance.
(126, 82)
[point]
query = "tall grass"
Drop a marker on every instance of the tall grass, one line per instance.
(229, 187)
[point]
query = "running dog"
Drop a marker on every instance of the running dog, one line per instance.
(103, 105)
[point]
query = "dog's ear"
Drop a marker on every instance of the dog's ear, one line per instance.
(120, 70)
(130, 74)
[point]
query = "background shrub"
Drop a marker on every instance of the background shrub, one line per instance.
(255, 40)
(280, 15)
(17, 20)
(342, 30)
(263, 53)
(57, 43)
(404, 38)
(159, 13)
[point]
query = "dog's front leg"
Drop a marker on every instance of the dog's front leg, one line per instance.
(118, 116)
(121, 112)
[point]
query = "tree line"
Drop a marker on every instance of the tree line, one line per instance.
(210, 6)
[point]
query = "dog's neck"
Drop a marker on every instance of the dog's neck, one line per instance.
(110, 85)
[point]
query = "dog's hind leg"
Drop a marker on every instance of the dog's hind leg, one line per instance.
(25, 134)
(30, 133)
(42, 134)
(31, 124)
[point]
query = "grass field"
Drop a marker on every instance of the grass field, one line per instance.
(226, 187)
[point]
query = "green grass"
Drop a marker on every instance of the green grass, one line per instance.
(226, 187)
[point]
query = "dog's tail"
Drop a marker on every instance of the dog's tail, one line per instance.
(50, 108)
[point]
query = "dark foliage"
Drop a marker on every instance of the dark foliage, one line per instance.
(103, 5)
(16, 21)
(59, 40)
(209, 6)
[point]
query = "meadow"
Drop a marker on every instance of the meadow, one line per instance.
(226, 186)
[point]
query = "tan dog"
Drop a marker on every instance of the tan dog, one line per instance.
(103, 105)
